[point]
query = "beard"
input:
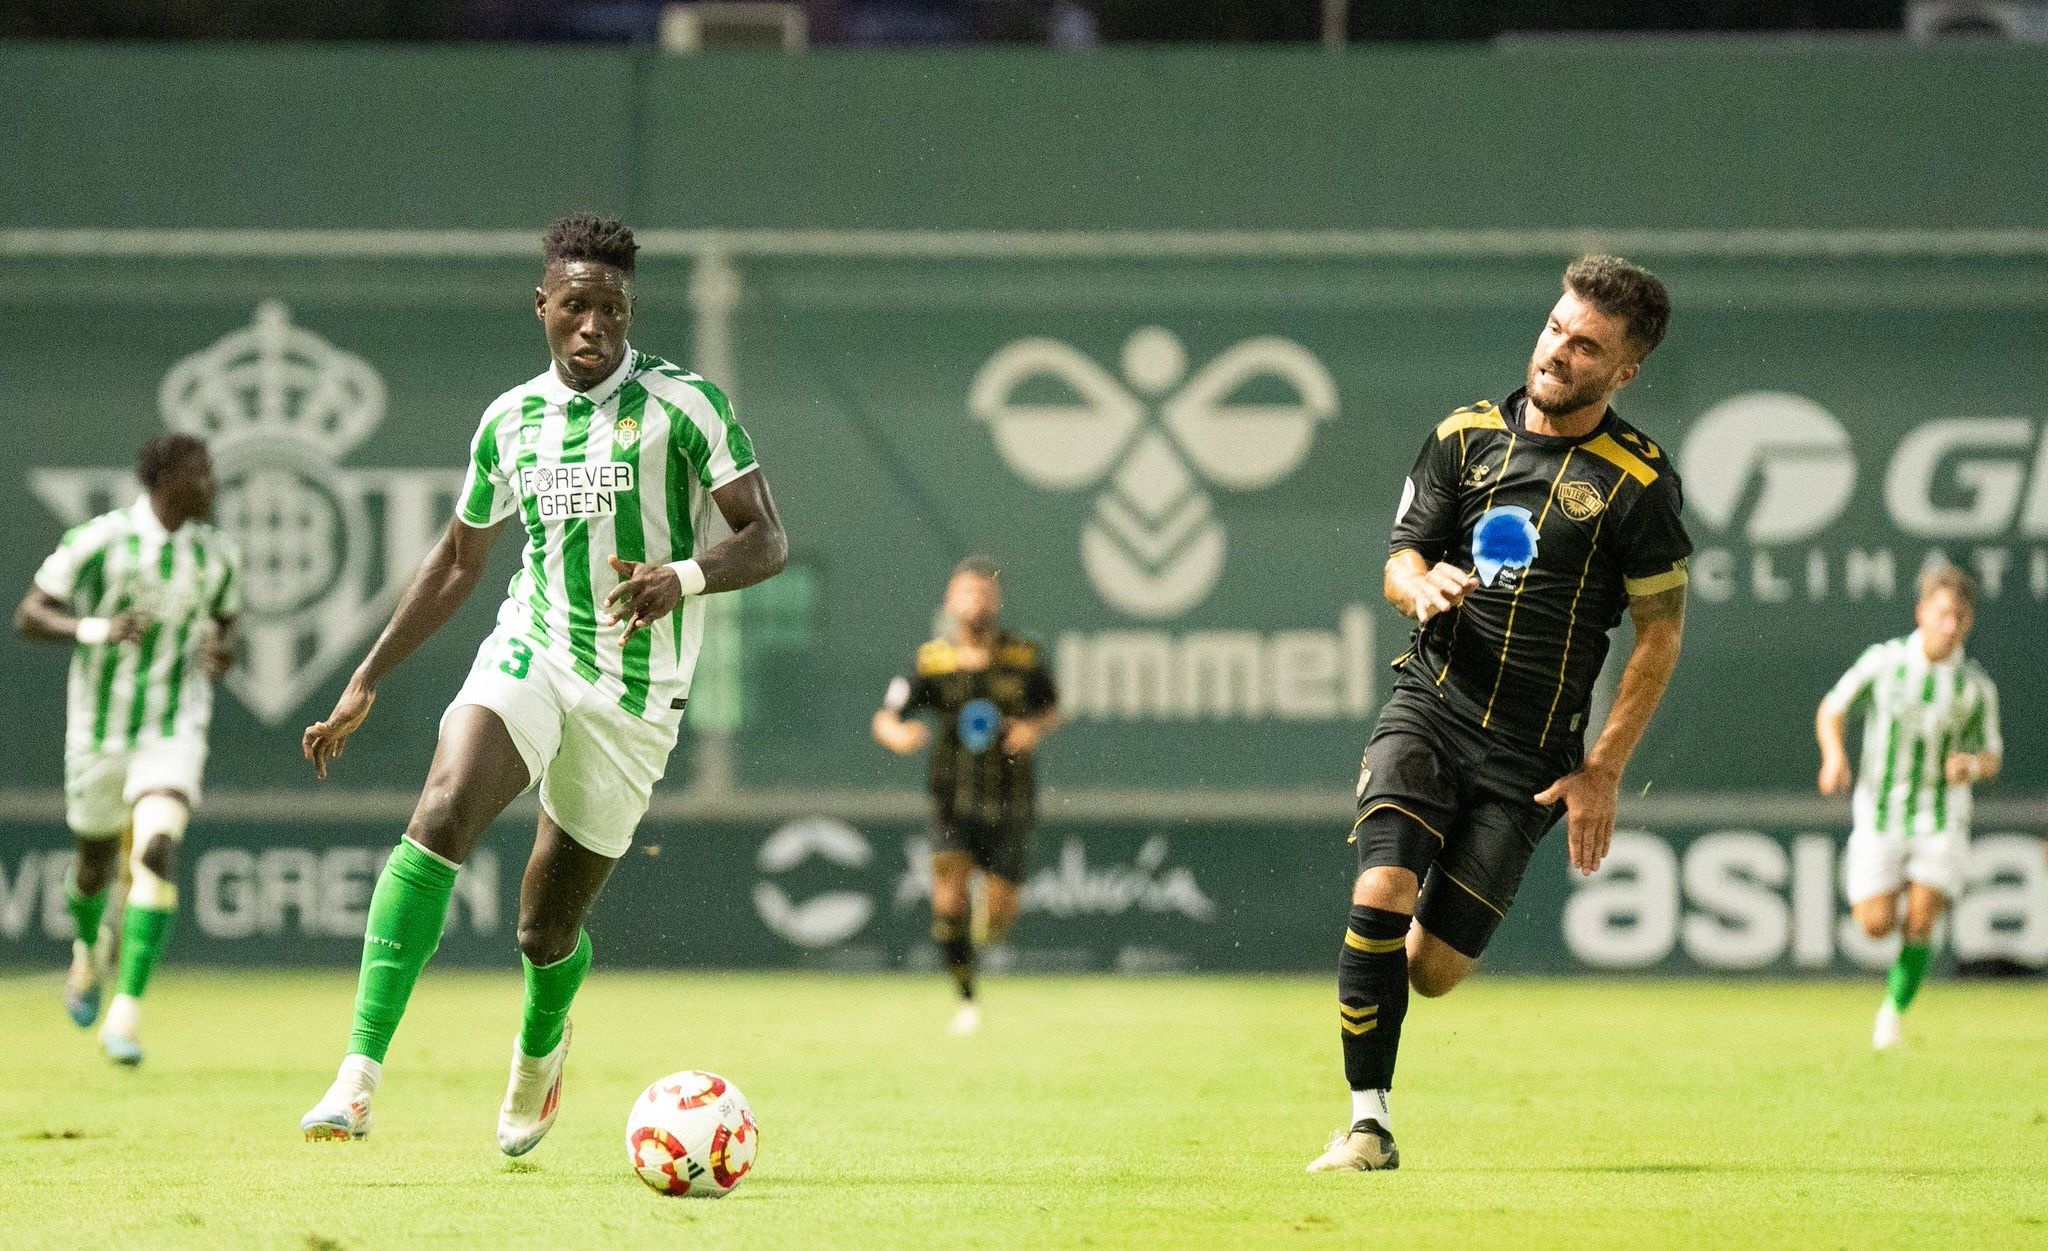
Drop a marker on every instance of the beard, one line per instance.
(1554, 397)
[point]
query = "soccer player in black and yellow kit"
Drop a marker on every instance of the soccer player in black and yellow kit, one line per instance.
(1523, 532)
(992, 702)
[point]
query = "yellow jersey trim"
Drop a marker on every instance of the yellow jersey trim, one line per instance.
(936, 659)
(1481, 416)
(1657, 584)
(1608, 449)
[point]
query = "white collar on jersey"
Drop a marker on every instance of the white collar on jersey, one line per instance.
(559, 392)
(1918, 644)
(146, 520)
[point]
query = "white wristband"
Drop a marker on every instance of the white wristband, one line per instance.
(690, 574)
(91, 630)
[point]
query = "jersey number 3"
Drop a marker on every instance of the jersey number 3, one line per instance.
(519, 661)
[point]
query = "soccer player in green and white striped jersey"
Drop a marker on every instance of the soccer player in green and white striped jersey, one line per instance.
(1930, 733)
(146, 596)
(609, 462)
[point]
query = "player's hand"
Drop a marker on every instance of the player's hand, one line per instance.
(1443, 588)
(644, 595)
(1020, 738)
(907, 738)
(1589, 798)
(325, 740)
(1836, 776)
(127, 627)
(1962, 769)
(217, 656)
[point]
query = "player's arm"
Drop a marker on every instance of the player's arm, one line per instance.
(1421, 590)
(43, 618)
(1417, 582)
(755, 551)
(1591, 793)
(1830, 729)
(1831, 720)
(895, 724)
(219, 653)
(1023, 734)
(1653, 552)
(440, 585)
(1983, 753)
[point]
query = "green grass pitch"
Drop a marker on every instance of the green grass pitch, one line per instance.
(1089, 1113)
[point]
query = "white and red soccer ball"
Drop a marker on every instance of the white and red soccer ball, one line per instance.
(692, 1133)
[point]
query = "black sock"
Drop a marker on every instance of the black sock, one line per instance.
(956, 944)
(1372, 995)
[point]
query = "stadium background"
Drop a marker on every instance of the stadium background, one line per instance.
(971, 302)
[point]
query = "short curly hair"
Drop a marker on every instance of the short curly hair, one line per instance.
(155, 459)
(1622, 289)
(588, 237)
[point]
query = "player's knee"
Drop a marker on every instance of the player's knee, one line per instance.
(545, 942)
(1876, 922)
(1387, 887)
(94, 866)
(1433, 981)
(159, 819)
(443, 823)
(159, 855)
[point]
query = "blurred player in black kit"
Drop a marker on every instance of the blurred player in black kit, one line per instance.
(1522, 533)
(992, 703)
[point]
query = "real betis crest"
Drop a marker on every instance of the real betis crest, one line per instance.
(627, 432)
(326, 546)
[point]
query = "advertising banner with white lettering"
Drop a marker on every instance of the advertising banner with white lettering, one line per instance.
(823, 893)
(1187, 469)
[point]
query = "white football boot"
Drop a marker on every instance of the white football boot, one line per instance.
(1364, 1148)
(1885, 1034)
(82, 985)
(343, 1113)
(532, 1098)
(119, 1033)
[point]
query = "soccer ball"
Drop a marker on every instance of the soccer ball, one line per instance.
(693, 1134)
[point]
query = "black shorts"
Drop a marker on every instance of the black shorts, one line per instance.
(999, 850)
(1455, 805)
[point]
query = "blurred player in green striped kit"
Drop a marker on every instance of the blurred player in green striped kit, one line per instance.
(146, 596)
(610, 462)
(1930, 733)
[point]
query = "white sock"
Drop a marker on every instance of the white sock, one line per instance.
(359, 1074)
(123, 1016)
(1371, 1105)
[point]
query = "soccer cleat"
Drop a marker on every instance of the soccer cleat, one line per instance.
(1885, 1034)
(82, 987)
(119, 1033)
(966, 1021)
(1364, 1148)
(121, 1048)
(532, 1098)
(342, 1115)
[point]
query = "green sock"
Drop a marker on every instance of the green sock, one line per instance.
(86, 910)
(407, 910)
(1903, 982)
(143, 931)
(550, 989)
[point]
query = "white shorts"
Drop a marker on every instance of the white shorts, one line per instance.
(100, 787)
(1881, 864)
(596, 764)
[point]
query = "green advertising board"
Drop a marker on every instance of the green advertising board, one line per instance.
(1160, 331)
(820, 892)
(1188, 470)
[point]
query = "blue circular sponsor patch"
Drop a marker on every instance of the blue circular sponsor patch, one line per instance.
(978, 722)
